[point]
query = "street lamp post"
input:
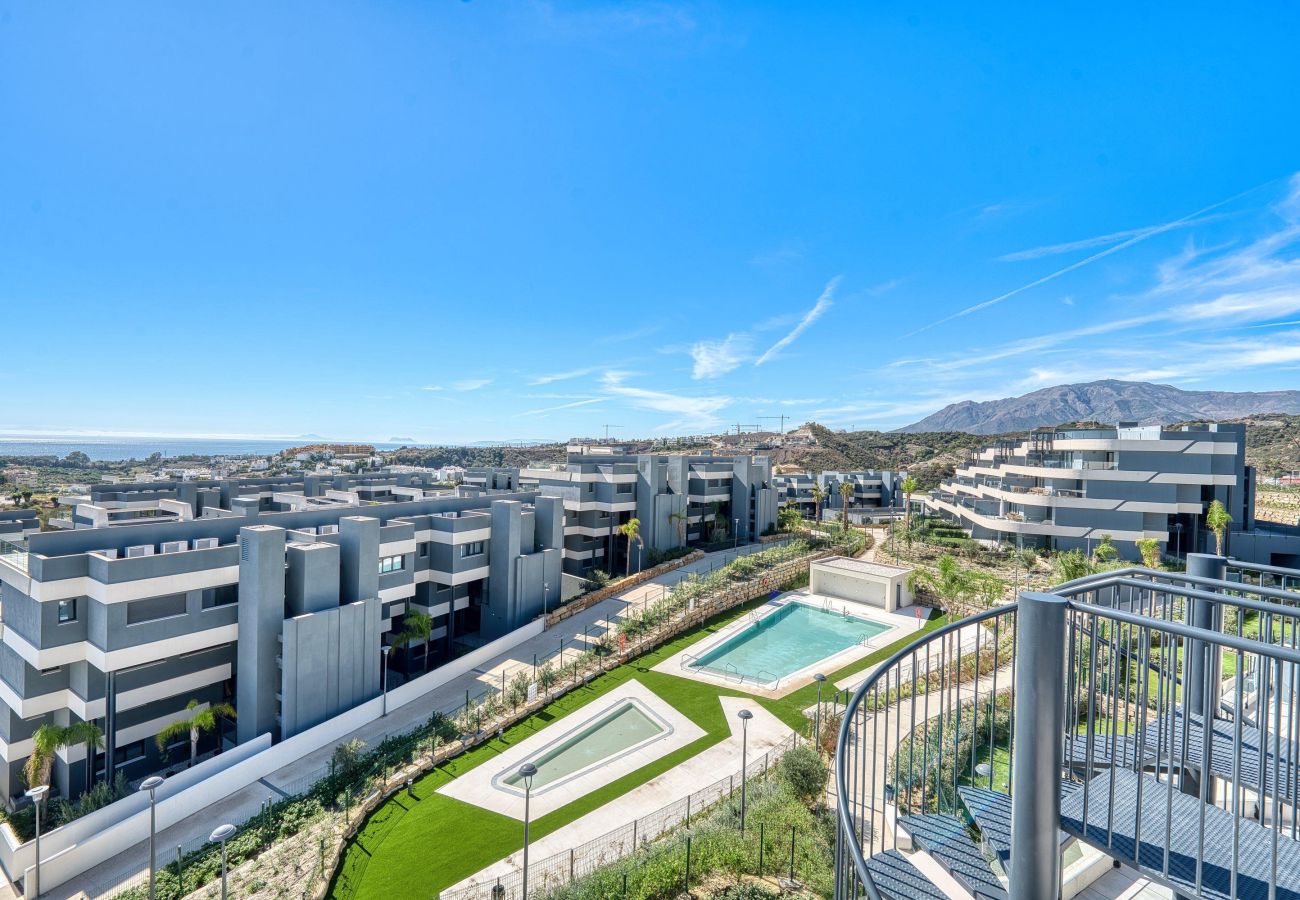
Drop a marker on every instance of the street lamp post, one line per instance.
(383, 677)
(1178, 539)
(38, 794)
(744, 715)
(735, 533)
(546, 592)
(817, 728)
(223, 834)
(526, 772)
(151, 784)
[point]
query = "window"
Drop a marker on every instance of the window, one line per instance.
(473, 548)
(392, 564)
(424, 549)
(625, 488)
(154, 608)
(67, 610)
(220, 596)
(128, 754)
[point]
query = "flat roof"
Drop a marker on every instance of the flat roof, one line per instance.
(862, 567)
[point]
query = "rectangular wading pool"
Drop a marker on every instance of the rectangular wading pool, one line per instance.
(792, 638)
(626, 726)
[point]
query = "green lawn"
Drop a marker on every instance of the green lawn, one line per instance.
(420, 846)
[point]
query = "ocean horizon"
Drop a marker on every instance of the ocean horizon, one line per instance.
(115, 448)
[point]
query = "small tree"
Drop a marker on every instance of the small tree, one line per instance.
(960, 588)
(202, 721)
(416, 626)
(49, 739)
(1217, 520)
(788, 518)
(803, 770)
(631, 529)
(846, 494)
(1071, 564)
(1150, 550)
(347, 756)
(908, 486)
(679, 519)
(1105, 551)
(818, 498)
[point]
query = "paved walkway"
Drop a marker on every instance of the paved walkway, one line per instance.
(580, 628)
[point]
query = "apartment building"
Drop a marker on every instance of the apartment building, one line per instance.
(1067, 488)
(871, 490)
(281, 613)
(679, 500)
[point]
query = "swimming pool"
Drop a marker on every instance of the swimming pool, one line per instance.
(794, 637)
(623, 727)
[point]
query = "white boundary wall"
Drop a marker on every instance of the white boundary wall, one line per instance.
(80, 845)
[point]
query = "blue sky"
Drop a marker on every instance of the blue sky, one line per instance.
(490, 220)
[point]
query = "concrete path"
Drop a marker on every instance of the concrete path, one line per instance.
(696, 773)
(242, 805)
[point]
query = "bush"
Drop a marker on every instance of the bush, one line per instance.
(803, 770)
(596, 579)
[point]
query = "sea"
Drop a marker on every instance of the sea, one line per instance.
(115, 448)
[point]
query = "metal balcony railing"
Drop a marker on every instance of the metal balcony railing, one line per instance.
(1150, 716)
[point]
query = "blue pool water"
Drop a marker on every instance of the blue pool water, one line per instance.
(792, 638)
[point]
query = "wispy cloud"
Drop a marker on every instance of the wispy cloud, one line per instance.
(691, 412)
(791, 251)
(432, 387)
(622, 337)
(1142, 235)
(471, 384)
(1102, 240)
(824, 302)
(574, 405)
(716, 358)
(563, 376)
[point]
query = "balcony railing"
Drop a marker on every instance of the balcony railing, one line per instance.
(1149, 717)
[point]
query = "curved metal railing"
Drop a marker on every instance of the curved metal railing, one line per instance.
(1176, 693)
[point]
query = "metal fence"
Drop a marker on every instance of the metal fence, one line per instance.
(578, 862)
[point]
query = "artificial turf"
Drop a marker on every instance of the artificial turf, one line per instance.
(416, 847)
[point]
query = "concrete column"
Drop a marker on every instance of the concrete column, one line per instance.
(358, 558)
(1036, 753)
(1207, 615)
(110, 724)
(261, 620)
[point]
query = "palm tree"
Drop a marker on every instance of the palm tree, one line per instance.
(631, 529)
(818, 498)
(959, 588)
(908, 486)
(846, 494)
(1217, 520)
(416, 626)
(788, 517)
(680, 518)
(201, 721)
(49, 739)
(716, 508)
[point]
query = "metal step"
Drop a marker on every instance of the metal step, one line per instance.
(991, 812)
(950, 844)
(897, 879)
(1173, 819)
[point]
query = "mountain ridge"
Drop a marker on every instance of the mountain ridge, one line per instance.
(1107, 400)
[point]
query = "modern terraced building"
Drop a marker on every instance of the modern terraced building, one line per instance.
(1067, 488)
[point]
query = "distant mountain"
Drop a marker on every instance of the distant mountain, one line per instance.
(1104, 401)
(401, 440)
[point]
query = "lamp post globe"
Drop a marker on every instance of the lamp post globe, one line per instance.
(222, 834)
(744, 715)
(527, 771)
(151, 784)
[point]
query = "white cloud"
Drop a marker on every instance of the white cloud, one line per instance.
(563, 376)
(824, 302)
(717, 358)
(1101, 240)
(575, 404)
(693, 412)
(432, 387)
(471, 384)
(1137, 238)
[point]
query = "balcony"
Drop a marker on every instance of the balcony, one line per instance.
(1119, 719)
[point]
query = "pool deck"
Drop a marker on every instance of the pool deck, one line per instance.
(700, 771)
(476, 786)
(899, 623)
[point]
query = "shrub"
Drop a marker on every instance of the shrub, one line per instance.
(803, 770)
